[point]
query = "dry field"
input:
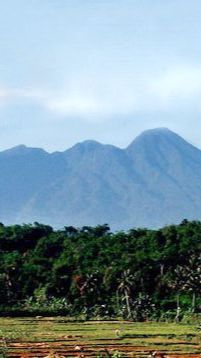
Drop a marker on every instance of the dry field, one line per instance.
(40, 337)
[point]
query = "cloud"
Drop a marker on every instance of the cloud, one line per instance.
(4, 95)
(9, 95)
(73, 105)
(176, 87)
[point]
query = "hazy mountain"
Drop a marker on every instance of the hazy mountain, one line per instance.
(153, 182)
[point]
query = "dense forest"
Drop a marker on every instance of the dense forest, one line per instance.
(90, 272)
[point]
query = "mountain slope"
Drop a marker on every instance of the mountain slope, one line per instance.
(153, 182)
(24, 172)
(171, 169)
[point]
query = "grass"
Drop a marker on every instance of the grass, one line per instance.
(34, 335)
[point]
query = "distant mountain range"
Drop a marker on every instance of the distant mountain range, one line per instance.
(155, 181)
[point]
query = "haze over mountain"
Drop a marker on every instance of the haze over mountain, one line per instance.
(155, 181)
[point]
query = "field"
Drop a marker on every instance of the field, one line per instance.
(39, 337)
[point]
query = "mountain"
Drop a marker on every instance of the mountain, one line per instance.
(155, 181)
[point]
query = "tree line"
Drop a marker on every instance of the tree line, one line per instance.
(88, 272)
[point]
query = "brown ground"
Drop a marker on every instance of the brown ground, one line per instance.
(60, 349)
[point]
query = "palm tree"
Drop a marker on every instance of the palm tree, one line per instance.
(89, 288)
(125, 286)
(188, 278)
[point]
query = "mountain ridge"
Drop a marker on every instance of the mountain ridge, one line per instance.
(86, 142)
(152, 182)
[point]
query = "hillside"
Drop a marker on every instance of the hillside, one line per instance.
(155, 181)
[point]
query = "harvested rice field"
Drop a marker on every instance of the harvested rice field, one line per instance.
(41, 337)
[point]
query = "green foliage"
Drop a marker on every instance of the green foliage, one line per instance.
(140, 274)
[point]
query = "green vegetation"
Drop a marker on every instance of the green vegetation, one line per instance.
(90, 272)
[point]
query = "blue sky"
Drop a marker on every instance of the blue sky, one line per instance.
(72, 70)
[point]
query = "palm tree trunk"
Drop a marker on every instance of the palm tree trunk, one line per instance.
(177, 317)
(193, 303)
(127, 303)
